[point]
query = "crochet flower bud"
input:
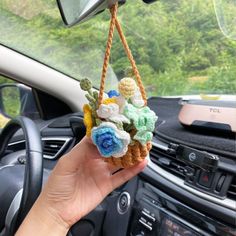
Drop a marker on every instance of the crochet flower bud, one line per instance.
(127, 87)
(85, 84)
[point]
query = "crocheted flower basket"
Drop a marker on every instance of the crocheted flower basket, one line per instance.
(120, 124)
(136, 153)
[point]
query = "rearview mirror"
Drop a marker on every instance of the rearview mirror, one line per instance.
(77, 11)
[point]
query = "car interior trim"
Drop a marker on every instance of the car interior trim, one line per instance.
(13, 64)
(14, 207)
(6, 166)
(228, 203)
(65, 139)
(186, 223)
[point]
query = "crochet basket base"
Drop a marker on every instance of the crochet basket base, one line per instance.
(136, 153)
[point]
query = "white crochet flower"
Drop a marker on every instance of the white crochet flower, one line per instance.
(105, 111)
(111, 112)
(105, 96)
(121, 101)
(137, 99)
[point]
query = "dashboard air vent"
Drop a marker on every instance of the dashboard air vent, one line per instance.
(232, 189)
(53, 147)
(160, 156)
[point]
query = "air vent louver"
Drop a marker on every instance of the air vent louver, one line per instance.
(232, 189)
(167, 161)
(53, 147)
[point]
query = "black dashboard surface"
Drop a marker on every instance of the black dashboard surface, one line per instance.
(169, 127)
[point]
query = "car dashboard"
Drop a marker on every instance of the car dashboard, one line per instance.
(162, 200)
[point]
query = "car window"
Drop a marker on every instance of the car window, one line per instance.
(3, 118)
(178, 45)
(35, 29)
(15, 99)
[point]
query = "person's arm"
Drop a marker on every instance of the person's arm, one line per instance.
(78, 183)
(40, 221)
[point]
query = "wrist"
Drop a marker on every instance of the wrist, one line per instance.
(42, 220)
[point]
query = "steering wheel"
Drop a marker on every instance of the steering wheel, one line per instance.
(16, 202)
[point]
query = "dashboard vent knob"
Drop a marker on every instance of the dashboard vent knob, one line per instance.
(220, 183)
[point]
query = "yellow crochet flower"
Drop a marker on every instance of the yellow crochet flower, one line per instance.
(127, 87)
(109, 100)
(88, 121)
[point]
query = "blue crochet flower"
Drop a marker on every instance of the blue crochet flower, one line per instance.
(113, 93)
(109, 140)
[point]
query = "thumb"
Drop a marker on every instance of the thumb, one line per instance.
(124, 175)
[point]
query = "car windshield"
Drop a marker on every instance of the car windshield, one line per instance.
(178, 45)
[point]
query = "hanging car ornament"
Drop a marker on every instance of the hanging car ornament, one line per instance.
(121, 124)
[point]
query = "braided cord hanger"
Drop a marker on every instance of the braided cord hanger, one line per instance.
(115, 23)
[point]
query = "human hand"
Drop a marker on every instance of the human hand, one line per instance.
(79, 182)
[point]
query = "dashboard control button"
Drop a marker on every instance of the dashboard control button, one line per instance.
(145, 224)
(123, 203)
(148, 215)
(189, 171)
(146, 210)
(141, 233)
(220, 183)
(155, 202)
(206, 179)
(143, 219)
